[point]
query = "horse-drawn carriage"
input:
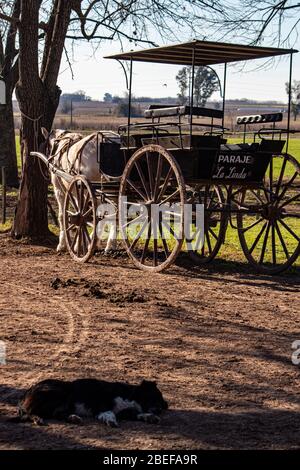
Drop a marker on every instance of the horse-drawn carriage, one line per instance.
(174, 182)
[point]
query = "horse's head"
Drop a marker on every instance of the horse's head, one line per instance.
(51, 138)
(54, 138)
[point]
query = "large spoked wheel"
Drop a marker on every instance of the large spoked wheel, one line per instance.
(80, 220)
(206, 241)
(151, 208)
(269, 218)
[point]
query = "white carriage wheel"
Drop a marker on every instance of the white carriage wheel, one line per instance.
(152, 176)
(80, 220)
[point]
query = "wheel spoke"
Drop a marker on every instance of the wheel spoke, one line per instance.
(142, 177)
(86, 200)
(278, 184)
(84, 241)
(138, 236)
(289, 230)
(208, 241)
(168, 227)
(146, 245)
(87, 213)
(271, 175)
(258, 237)
(158, 176)
(252, 225)
(81, 197)
(86, 233)
(71, 227)
(263, 250)
(73, 201)
(77, 193)
(71, 213)
(282, 241)
(150, 173)
(273, 244)
(78, 247)
(134, 220)
(166, 248)
(257, 196)
(74, 239)
(170, 197)
(164, 186)
(291, 199)
(136, 189)
(286, 186)
(213, 233)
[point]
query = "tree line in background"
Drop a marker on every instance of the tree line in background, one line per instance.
(36, 34)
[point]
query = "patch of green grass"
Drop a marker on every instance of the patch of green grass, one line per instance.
(232, 249)
(18, 149)
(54, 229)
(5, 227)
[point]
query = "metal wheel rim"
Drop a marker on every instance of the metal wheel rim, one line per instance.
(83, 237)
(274, 230)
(136, 157)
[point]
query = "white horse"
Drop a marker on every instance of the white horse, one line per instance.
(74, 154)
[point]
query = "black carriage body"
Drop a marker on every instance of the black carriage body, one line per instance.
(208, 158)
(111, 159)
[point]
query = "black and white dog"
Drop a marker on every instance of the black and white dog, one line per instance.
(105, 401)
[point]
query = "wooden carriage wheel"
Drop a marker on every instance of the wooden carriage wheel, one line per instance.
(207, 240)
(80, 219)
(151, 208)
(270, 232)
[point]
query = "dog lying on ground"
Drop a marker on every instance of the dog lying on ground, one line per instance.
(106, 401)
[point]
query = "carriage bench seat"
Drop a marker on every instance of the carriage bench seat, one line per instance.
(265, 145)
(259, 118)
(158, 111)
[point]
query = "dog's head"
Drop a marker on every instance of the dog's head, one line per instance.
(150, 398)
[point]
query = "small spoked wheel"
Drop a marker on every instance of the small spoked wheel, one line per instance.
(151, 208)
(269, 217)
(207, 240)
(80, 220)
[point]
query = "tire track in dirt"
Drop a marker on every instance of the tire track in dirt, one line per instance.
(76, 324)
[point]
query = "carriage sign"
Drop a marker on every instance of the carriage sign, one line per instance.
(236, 166)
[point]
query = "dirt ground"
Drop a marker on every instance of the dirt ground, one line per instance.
(217, 339)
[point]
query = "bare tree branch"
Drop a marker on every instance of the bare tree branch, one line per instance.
(9, 19)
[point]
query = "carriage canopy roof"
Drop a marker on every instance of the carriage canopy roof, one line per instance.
(206, 53)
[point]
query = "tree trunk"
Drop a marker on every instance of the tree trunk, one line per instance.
(31, 218)
(38, 98)
(31, 212)
(8, 156)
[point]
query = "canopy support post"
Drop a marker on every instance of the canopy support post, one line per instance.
(224, 94)
(192, 96)
(129, 102)
(290, 102)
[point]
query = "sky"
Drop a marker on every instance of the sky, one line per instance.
(97, 76)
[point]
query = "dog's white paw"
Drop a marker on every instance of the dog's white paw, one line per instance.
(75, 419)
(108, 418)
(38, 421)
(148, 418)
